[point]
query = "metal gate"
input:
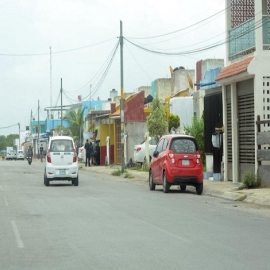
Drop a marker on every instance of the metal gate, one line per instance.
(229, 131)
(246, 127)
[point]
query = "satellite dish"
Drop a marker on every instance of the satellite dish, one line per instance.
(190, 82)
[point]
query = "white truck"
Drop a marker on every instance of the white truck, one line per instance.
(11, 153)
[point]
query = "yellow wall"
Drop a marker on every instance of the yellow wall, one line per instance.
(106, 130)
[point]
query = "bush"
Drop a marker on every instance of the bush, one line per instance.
(250, 181)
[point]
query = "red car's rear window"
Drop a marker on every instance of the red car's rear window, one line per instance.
(183, 145)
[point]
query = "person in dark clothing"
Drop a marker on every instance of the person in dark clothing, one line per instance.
(87, 153)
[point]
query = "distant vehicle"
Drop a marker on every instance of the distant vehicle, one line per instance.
(61, 162)
(176, 161)
(139, 150)
(11, 154)
(20, 155)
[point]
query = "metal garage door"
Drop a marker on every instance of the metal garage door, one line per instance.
(246, 127)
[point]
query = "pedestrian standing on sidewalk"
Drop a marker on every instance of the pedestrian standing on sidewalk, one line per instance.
(87, 153)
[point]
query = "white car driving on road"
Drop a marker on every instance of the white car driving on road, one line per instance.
(61, 161)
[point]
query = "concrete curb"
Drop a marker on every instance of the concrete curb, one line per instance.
(225, 190)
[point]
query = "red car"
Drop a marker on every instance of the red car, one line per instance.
(176, 161)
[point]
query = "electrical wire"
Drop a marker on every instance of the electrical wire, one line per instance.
(9, 126)
(58, 52)
(90, 81)
(138, 63)
(96, 89)
(184, 28)
(211, 46)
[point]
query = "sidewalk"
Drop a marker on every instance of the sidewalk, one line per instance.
(226, 190)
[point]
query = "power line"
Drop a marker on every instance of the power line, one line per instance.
(57, 52)
(184, 28)
(258, 24)
(9, 126)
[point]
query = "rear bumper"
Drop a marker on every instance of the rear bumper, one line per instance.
(193, 177)
(61, 172)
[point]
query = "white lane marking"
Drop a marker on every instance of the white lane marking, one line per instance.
(1, 188)
(17, 234)
(6, 201)
(166, 232)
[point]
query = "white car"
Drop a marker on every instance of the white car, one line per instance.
(139, 150)
(61, 162)
(20, 155)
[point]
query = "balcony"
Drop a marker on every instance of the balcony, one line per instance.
(242, 38)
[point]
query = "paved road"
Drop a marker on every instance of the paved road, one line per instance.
(115, 223)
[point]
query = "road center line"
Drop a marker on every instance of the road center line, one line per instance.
(6, 201)
(17, 234)
(166, 232)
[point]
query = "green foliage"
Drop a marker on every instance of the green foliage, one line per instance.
(251, 180)
(173, 121)
(61, 129)
(128, 175)
(197, 131)
(117, 172)
(156, 121)
(76, 122)
(7, 140)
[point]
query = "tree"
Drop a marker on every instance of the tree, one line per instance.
(76, 121)
(197, 131)
(173, 121)
(156, 121)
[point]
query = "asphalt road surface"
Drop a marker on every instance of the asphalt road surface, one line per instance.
(109, 222)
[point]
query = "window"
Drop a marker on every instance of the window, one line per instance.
(61, 146)
(159, 146)
(183, 146)
(165, 144)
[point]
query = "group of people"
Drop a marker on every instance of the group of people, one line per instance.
(91, 154)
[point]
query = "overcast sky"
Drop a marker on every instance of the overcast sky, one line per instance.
(83, 35)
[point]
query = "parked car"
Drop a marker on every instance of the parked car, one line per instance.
(81, 154)
(176, 161)
(11, 155)
(20, 155)
(139, 150)
(61, 161)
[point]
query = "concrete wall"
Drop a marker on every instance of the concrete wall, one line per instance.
(179, 80)
(147, 90)
(198, 103)
(211, 64)
(135, 132)
(162, 88)
(183, 107)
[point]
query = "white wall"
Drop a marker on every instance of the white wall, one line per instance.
(183, 107)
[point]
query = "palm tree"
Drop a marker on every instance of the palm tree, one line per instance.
(76, 122)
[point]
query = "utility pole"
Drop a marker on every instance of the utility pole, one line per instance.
(19, 136)
(122, 102)
(61, 106)
(38, 127)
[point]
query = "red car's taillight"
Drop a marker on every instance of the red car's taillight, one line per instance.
(74, 156)
(198, 160)
(48, 156)
(171, 156)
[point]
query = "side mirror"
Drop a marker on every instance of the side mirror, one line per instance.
(155, 154)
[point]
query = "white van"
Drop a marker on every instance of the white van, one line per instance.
(61, 161)
(20, 155)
